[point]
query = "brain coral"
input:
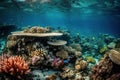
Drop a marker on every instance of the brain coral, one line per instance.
(115, 56)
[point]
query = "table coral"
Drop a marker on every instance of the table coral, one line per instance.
(14, 66)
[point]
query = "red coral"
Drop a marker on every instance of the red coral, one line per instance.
(14, 66)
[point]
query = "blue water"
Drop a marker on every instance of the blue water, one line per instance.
(73, 20)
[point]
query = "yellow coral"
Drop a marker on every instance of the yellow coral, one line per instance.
(90, 59)
(103, 49)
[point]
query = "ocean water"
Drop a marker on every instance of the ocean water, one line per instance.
(83, 20)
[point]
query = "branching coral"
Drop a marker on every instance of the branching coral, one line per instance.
(14, 66)
(37, 56)
(38, 52)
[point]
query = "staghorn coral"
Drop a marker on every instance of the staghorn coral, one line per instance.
(14, 66)
(80, 64)
(115, 56)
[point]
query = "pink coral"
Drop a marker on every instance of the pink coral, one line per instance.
(14, 66)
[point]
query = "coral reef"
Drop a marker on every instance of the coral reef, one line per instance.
(107, 68)
(11, 44)
(73, 51)
(115, 56)
(14, 66)
(76, 58)
(103, 49)
(67, 73)
(62, 54)
(90, 59)
(36, 29)
(80, 64)
(57, 42)
(103, 69)
(57, 63)
(76, 46)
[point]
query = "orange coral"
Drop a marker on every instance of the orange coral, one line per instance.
(14, 66)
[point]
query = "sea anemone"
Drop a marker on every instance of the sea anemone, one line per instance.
(14, 66)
